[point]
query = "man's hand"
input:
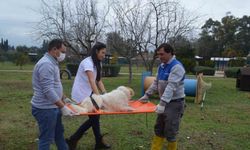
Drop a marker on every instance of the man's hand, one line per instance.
(144, 98)
(160, 108)
(67, 112)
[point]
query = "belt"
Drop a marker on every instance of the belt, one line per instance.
(177, 100)
(94, 102)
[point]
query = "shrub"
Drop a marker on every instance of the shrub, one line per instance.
(72, 68)
(107, 70)
(110, 70)
(203, 69)
(207, 63)
(239, 62)
(231, 72)
(188, 64)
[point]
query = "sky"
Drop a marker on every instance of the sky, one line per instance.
(18, 17)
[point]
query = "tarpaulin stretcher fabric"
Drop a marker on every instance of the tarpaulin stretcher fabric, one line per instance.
(137, 105)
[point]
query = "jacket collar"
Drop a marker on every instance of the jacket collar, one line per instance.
(163, 65)
(51, 58)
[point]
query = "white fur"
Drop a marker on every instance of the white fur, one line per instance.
(88, 105)
(116, 100)
(79, 109)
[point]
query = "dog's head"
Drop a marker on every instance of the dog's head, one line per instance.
(127, 90)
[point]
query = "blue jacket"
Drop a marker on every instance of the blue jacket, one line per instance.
(169, 81)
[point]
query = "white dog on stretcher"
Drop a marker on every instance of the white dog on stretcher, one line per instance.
(114, 101)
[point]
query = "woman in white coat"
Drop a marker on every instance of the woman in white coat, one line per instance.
(87, 82)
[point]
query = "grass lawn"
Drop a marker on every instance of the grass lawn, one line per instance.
(223, 123)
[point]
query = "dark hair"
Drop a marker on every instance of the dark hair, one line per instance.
(55, 43)
(167, 48)
(95, 49)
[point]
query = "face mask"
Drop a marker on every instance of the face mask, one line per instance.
(61, 57)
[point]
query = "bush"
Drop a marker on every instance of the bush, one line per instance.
(231, 72)
(72, 68)
(110, 70)
(188, 64)
(107, 70)
(239, 62)
(203, 69)
(207, 63)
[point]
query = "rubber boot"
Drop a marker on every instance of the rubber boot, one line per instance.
(157, 143)
(172, 146)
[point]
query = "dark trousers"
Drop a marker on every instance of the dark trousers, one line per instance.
(94, 122)
(167, 124)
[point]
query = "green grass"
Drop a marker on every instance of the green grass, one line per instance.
(223, 123)
(12, 66)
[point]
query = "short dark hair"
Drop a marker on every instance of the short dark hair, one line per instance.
(167, 48)
(55, 43)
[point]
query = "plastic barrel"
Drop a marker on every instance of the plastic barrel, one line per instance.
(144, 75)
(190, 87)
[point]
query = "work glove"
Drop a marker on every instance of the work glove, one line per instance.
(67, 112)
(144, 98)
(160, 107)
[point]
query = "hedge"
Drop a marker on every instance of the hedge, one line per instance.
(188, 64)
(231, 72)
(207, 63)
(110, 70)
(204, 70)
(107, 70)
(72, 68)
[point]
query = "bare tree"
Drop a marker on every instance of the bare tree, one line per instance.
(169, 20)
(151, 23)
(88, 23)
(124, 47)
(78, 23)
(130, 21)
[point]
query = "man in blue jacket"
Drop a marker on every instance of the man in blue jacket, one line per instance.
(47, 104)
(170, 86)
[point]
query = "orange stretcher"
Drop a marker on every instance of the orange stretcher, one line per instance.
(137, 105)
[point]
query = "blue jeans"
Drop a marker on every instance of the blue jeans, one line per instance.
(50, 127)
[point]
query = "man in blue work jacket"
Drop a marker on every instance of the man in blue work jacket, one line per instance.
(170, 86)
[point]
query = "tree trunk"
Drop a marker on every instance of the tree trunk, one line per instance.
(130, 71)
(151, 65)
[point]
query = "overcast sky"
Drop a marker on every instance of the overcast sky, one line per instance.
(17, 17)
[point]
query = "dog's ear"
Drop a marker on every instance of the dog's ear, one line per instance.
(131, 91)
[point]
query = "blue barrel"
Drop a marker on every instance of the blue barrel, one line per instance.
(190, 87)
(144, 75)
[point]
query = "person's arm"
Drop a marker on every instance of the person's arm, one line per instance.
(59, 104)
(92, 82)
(46, 77)
(101, 86)
(153, 87)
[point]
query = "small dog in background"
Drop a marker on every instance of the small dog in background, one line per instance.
(114, 101)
